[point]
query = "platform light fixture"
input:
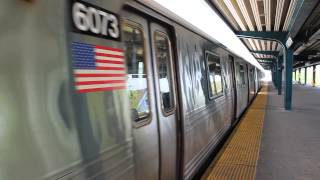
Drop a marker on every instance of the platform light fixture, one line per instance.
(256, 15)
(279, 10)
(233, 11)
(289, 15)
(226, 12)
(235, 14)
(245, 14)
(267, 12)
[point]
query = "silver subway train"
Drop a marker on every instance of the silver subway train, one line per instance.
(112, 89)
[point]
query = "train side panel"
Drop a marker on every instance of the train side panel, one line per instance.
(48, 130)
(51, 130)
(205, 120)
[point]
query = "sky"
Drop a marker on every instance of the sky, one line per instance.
(267, 76)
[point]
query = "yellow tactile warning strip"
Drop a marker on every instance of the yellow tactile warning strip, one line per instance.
(238, 158)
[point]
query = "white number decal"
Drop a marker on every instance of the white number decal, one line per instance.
(114, 32)
(79, 16)
(92, 20)
(104, 23)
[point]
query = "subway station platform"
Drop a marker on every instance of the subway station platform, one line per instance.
(272, 143)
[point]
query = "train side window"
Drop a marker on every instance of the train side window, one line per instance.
(242, 74)
(214, 75)
(137, 84)
(163, 56)
(252, 74)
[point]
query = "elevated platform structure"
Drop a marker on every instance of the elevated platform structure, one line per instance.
(281, 35)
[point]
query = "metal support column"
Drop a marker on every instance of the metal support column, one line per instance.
(288, 79)
(274, 75)
(305, 75)
(299, 76)
(279, 74)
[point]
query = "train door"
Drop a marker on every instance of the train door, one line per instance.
(234, 88)
(252, 79)
(256, 83)
(251, 82)
(152, 95)
(166, 98)
(135, 35)
(242, 91)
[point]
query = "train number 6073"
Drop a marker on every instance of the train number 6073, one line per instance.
(95, 21)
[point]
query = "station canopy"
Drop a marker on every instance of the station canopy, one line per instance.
(263, 16)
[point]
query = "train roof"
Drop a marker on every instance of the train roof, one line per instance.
(176, 18)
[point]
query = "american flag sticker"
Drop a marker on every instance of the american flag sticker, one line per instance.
(98, 68)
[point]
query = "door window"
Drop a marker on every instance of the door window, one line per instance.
(163, 57)
(251, 74)
(137, 75)
(214, 75)
(242, 75)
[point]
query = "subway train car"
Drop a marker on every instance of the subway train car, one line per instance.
(112, 89)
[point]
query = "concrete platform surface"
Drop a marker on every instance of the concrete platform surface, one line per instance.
(290, 146)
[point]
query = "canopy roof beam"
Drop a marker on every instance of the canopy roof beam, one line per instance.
(274, 53)
(281, 37)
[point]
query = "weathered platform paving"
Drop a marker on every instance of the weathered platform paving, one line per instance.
(271, 143)
(291, 139)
